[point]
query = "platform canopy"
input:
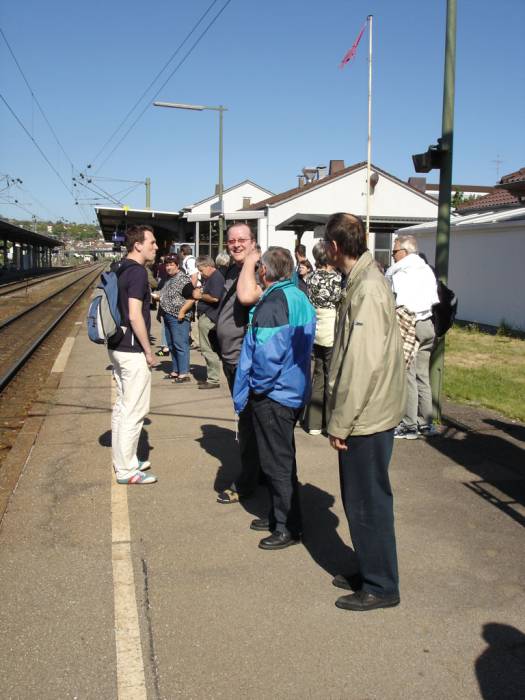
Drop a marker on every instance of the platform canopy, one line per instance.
(381, 224)
(167, 224)
(16, 234)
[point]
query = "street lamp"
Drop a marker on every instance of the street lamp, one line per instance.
(221, 110)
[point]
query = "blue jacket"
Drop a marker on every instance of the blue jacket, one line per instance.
(275, 354)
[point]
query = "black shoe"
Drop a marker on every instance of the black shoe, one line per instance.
(260, 524)
(279, 540)
(363, 600)
(208, 385)
(350, 582)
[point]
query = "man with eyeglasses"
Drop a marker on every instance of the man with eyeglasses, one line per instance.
(414, 285)
(232, 320)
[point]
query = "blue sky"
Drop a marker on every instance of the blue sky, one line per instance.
(275, 66)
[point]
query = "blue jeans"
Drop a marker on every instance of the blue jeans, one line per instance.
(178, 337)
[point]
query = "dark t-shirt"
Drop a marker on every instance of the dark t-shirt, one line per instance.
(213, 286)
(132, 284)
(232, 319)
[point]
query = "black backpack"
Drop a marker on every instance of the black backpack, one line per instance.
(444, 312)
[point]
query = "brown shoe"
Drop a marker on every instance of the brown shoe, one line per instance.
(208, 385)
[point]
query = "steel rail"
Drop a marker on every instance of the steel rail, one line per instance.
(12, 287)
(7, 376)
(15, 317)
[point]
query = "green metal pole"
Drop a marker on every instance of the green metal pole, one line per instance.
(445, 186)
(221, 186)
(148, 193)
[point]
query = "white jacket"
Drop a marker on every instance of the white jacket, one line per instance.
(414, 285)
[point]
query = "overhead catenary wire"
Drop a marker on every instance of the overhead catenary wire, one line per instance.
(152, 83)
(32, 93)
(181, 62)
(44, 156)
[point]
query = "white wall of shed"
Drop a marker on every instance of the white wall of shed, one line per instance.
(486, 271)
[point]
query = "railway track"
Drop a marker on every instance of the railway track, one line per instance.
(22, 332)
(24, 285)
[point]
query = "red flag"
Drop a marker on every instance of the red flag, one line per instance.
(351, 52)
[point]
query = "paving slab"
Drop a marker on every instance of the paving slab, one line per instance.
(219, 617)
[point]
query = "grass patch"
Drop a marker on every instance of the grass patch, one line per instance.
(486, 370)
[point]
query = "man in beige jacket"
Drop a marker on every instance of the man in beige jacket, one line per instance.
(367, 396)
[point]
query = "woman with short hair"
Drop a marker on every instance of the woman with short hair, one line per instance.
(174, 296)
(324, 291)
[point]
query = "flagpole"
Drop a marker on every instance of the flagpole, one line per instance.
(369, 238)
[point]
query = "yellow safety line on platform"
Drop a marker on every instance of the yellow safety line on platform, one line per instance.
(131, 681)
(63, 355)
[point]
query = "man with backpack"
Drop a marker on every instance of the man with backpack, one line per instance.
(132, 357)
(415, 287)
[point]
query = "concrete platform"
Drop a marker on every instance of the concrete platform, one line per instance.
(184, 604)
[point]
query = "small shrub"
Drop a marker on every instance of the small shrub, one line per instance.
(505, 329)
(472, 328)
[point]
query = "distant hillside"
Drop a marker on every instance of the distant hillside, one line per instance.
(69, 231)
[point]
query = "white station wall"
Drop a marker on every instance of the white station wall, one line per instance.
(233, 200)
(346, 194)
(486, 270)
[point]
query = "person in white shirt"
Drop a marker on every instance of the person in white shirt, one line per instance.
(189, 263)
(415, 287)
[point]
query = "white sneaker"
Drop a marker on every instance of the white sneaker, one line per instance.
(315, 432)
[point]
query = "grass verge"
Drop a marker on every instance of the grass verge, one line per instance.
(486, 370)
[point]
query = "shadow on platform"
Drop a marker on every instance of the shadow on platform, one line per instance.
(500, 669)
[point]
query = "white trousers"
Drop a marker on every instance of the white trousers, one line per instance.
(133, 385)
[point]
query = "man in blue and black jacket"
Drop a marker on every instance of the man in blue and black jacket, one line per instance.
(273, 376)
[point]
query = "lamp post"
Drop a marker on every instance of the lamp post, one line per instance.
(221, 110)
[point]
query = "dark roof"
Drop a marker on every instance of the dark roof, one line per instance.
(498, 199)
(16, 234)
(518, 176)
(463, 188)
(319, 183)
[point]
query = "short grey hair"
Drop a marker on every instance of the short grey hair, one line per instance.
(319, 253)
(407, 242)
(205, 261)
(278, 263)
(222, 259)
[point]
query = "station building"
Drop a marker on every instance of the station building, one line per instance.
(292, 216)
(23, 251)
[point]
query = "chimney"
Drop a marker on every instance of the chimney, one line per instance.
(420, 183)
(322, 171)
(300, 181)
(336, 166)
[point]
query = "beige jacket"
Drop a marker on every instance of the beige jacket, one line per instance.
(367, 382)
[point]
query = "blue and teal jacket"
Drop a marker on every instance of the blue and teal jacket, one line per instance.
(275, 354)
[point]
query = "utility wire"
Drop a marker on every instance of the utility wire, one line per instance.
(153, 82)
(35, 143)
(181, 62)
(31, 91)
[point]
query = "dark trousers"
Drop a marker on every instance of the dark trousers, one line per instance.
(315, 414)
(368, 502)
(274, 428)
(247, 481)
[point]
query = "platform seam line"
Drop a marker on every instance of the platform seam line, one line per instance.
(131, 682)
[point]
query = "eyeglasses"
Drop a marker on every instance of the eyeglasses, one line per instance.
(242, 241)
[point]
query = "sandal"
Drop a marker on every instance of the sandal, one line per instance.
(163, 352)
(182, 380)
(172, 376)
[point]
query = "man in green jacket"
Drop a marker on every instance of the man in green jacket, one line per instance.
(367, 396)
